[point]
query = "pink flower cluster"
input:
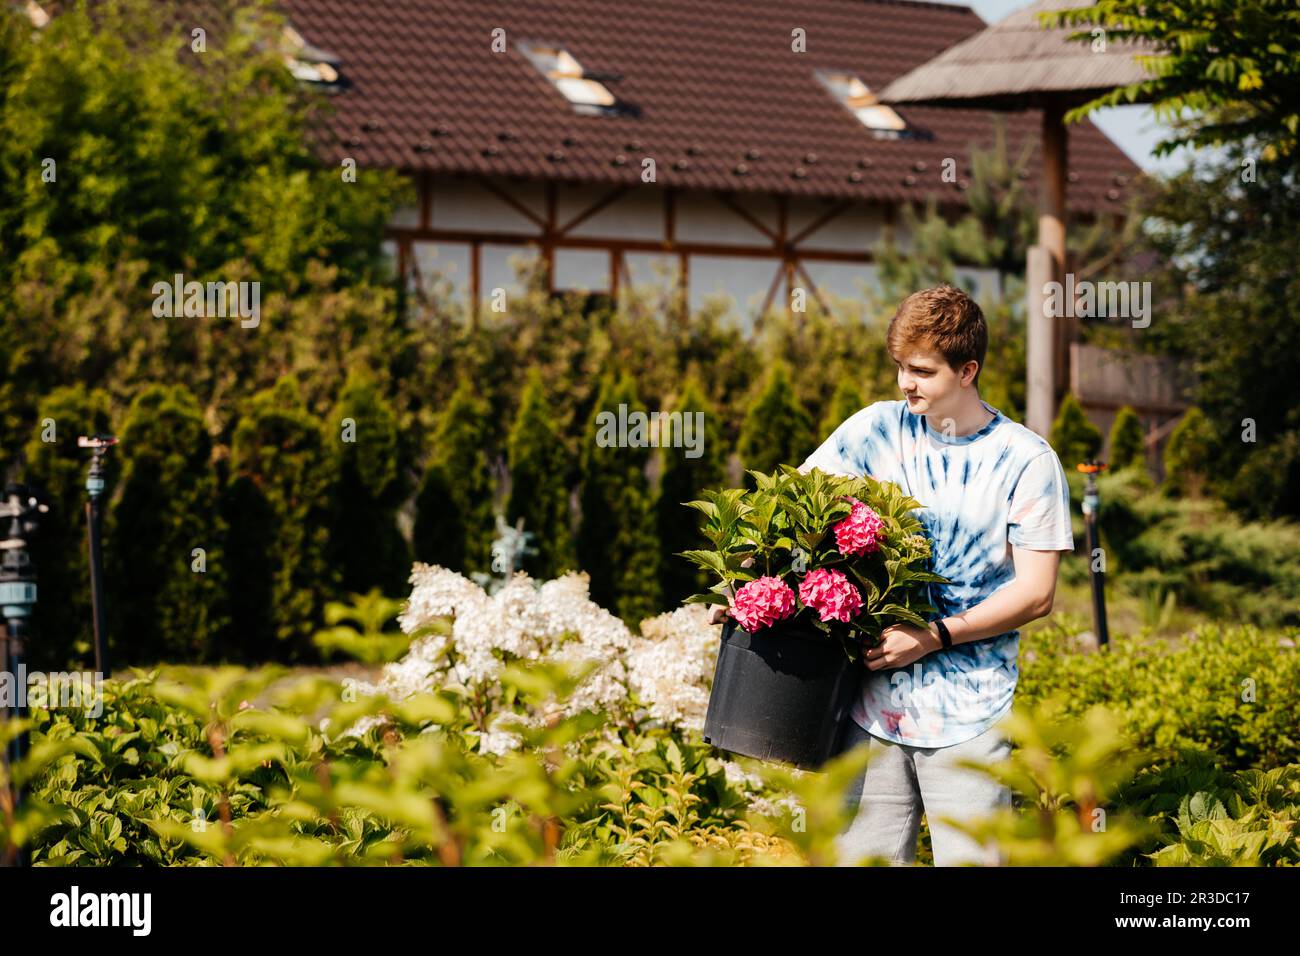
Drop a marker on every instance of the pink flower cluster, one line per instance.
(830, 594)
(762, 602)
(861, 532)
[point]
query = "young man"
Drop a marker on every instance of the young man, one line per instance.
(996, 508)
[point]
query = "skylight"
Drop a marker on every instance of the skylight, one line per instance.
(859, 100)
(307, 62)
(583, 90)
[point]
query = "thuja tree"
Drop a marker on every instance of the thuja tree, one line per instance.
(776, 429)
(1126, 440)
(55, 464)
(1074, 438)
(538, 462)
(364, 445)
(277, 504)
(687, 472)
(454, 520)
(166, 536)
(845, 402)
(616, 541)
(1189, 453)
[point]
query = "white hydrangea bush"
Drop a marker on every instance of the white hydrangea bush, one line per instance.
(668, 667)
(659, 677)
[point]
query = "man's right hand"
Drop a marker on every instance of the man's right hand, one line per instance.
(719, 614)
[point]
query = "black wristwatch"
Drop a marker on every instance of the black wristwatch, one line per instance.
(943, 634)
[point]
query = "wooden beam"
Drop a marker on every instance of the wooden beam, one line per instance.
(510, 200)
(745, 214)
(475, 283)
(821, 221)
(626, 245)
(594, 208)
(813, 286)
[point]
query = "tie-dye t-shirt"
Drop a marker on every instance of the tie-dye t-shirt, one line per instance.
(981, 493)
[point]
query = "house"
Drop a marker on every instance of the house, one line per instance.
(734, 147)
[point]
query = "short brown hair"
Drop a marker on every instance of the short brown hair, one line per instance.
(944, 320)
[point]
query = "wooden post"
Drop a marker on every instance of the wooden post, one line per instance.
(1040, 338)
(1051, 230)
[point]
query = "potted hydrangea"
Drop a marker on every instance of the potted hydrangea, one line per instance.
(814, 567)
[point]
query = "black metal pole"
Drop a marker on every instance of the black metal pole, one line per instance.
(1091, 504)
(17, 600)
(95, 488)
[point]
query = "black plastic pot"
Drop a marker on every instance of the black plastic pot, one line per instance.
(781, 694)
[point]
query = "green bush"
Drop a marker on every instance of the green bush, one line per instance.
(1188, 455)
(1074, 438)
(365, 459)
(777, 430)
(277, 507)
(616, 542)
(683, 480)
(539, 493)
(1126, 441)
(454, 509)
(166, 538)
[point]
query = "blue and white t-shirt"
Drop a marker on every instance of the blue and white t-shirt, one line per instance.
(981, 493)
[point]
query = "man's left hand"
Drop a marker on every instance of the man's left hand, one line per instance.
(900, 645)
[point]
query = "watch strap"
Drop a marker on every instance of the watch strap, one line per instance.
(944, 636)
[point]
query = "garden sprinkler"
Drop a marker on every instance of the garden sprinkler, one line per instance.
(99, 445)
(1091, 503)
(22, 506)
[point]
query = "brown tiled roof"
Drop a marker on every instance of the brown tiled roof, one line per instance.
(712, 85)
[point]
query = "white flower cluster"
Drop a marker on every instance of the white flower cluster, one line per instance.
(670, 665)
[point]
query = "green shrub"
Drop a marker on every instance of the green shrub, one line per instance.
(1074, 438)
(1189, 454)
(1127, 449)
(454, 508)
(616, 543)
(776, 430)
(539, 494)
(166, 541)
(277, 507)
(683, 480)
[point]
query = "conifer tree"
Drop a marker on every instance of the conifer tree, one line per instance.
(1188, 454)
(538, 464)
(1074, 438)
(454, 523)
(776, 429)
(845, 402)
(617, 545)
(683, 479)
(363, 439)
(166, 537)
(1126, 440)
(277, 506)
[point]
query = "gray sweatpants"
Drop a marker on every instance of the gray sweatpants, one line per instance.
(903, 781)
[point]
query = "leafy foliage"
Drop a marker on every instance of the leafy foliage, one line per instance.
(783, 529)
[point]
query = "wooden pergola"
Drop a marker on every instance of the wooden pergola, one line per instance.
(1013, 65)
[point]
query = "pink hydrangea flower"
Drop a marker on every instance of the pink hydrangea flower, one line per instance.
(829, 593)
(861, 532)
(762, 602)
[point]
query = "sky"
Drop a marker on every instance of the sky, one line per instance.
(1133, 128)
